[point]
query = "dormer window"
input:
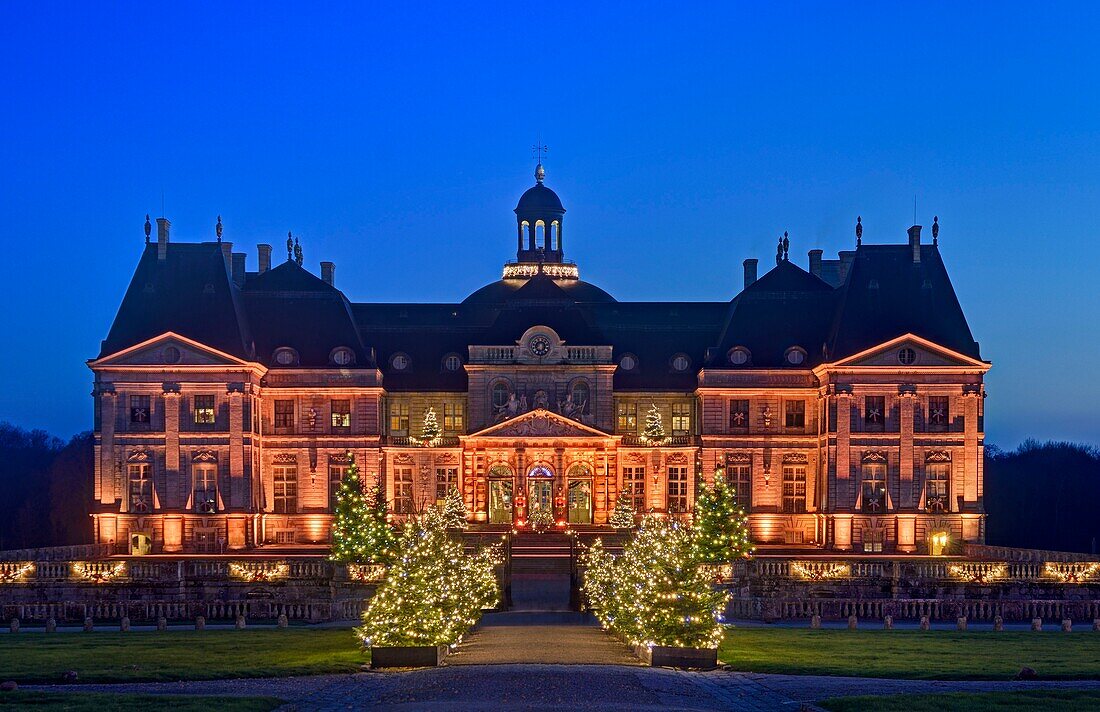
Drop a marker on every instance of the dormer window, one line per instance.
(343, 356)
(739, 356)
(285, 356)
(795, 356)
(451, 362)
(400, 362)
(680, 362)
(628, 362)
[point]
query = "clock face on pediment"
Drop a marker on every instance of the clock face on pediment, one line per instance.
(539, 345)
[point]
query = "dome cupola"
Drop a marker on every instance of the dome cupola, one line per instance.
(539, 217)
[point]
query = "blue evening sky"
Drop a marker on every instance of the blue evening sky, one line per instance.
(683, 138)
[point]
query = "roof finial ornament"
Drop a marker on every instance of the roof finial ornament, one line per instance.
(786, 247)
(859, 230)
(537, 151)
(297, 252)
(148, 228)
(779, 251)
(936, 230)
(218, 228)
(289, 246)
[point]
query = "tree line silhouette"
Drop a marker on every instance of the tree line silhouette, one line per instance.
(1040, 495)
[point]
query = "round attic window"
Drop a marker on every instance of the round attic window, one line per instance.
(451, 362)
(343, 356)
(628, 362)
(795, 356)
(400, 362)
(170, 354)
(286, 356)
(739, 356)
(907, 356)
(680, 362)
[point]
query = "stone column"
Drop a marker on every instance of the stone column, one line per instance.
(238, 489)
(843, 500)
(905, 493)
(108, 414)
(171, 447)
(970, 446)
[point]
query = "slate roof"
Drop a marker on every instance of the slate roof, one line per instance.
(885, 295)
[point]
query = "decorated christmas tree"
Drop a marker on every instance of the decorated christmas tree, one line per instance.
(433, 593)
(360, 532)
(454, 510)
(654, 431)
(430, 432)
(622, 516)
(655, 592)
(720, 532)
(541, 517)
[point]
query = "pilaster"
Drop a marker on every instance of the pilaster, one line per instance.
(108, 414)
(238, 489)
(905, 460)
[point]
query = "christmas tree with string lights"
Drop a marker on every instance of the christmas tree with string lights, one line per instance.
(720, 532)
(454, 510)
(360, 532)
(655, 593)
(622, 516)
(654, 431)
(430, 432)
(433, 592)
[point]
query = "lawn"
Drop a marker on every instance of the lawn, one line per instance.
(1047, 700)
(96, 702)
(178, 655)
(914, 654)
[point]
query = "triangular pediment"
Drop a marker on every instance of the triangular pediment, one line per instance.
(925, 354)
(168, 350)
(539, 423)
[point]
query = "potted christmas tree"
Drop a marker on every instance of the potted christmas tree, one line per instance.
(654, 432)
(622, 516)
(430, 432)
(720, 533)
(454, 510)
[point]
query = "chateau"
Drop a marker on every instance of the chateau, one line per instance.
(844, 401)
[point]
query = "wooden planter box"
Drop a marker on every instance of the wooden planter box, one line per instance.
(407, 656)
(684, 658)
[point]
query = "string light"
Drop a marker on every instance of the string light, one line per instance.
(360, 530)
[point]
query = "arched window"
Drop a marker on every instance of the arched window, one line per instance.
(501, 391)
(580, 395)
(540, 233)
(555, 234)
(527, 237)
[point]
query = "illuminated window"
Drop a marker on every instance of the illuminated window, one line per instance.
(399, 418)
(794, 413)
(284, 414)
(739, 413)
(681, 418)
(739, 476)
(446, 478)
(794, 488)
(677, 489)
(873, 487)
(204, 410)
(454, 417)
(936, 497)
(634, 488)
(286, 489)
(403, 490)
(140, 409)
(141, 487)
(205, 498)
(873, 540)
(341, 413)
(627, 420)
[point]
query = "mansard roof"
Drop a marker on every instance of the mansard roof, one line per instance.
(190, 293)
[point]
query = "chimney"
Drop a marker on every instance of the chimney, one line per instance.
(162, 238)
(328, 273)
(238, 268)
(750, 271)
(265, 257)
(914, 242)
(815, 263)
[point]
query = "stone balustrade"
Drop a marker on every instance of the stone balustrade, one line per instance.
(137, 570)
(945, 609)
(310, 610)
(919, 569)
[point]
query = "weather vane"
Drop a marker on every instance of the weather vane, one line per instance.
(539, 149)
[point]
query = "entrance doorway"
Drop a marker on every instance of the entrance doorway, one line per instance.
(580, 501)
(500, 494)
(542, 495)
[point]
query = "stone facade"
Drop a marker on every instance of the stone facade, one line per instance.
(845, 403)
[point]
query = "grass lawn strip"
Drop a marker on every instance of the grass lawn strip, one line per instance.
(178, 655)
(99, 702)
(1020, 701)
(912, 654)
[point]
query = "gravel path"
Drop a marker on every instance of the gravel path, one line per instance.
(556, 687)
